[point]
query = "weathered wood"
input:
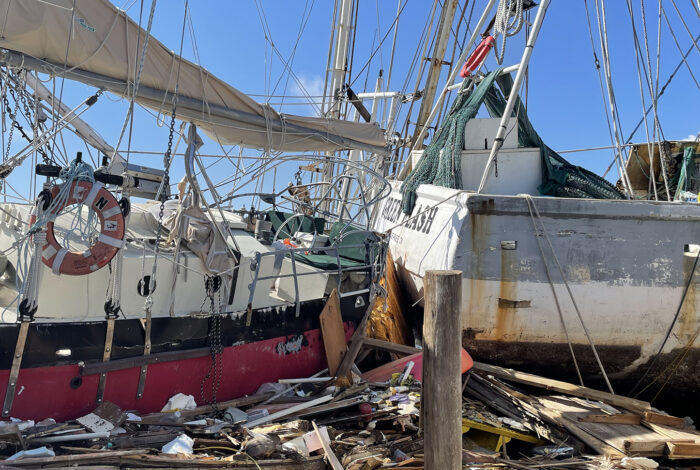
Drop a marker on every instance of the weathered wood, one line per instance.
(645, 448)
(622, 418)
(356, 341)
(390, 347)
(332, 459)
(442, 397)
(638, 406)
(683, 450)
(658, 418)
(81, 459)
(334, 335)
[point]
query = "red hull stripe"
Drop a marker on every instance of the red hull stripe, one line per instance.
(45, 392)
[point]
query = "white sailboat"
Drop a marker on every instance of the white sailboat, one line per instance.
(108, 298)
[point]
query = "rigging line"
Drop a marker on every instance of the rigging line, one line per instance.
(695, 42)
(351, 60)
(653, 94)
(330, 55)
(302, 28)
(393, 48)
(663, 88)
(65, 60)
(530, 199)
(677, 363)
(602, 31)
(670, 328)
(678, 46)
(393, 24)
(137, 70)
(418, 59)
(268, 38)
(554, 291)
(649, 143)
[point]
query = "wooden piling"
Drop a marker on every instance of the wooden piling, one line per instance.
(442, 401)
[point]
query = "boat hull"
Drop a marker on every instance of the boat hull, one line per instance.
(626, 264)
(276, 345)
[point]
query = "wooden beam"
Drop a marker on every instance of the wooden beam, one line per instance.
(332, 459)
(638, 406)
(356, 341)
(645, 448)
(334, 337)
(683, 450)
(404, 350)
(441, 405)
(621, 418)
(658, 418)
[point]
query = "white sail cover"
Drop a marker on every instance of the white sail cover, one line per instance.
(100, 39)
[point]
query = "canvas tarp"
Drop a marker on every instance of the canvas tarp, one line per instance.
(99, 40)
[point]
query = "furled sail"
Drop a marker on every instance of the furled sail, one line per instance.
(94, 42)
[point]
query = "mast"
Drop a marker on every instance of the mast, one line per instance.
(340, 48)
(335, 92)
(434, 70)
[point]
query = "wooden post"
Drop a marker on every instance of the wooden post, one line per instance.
(442, 398)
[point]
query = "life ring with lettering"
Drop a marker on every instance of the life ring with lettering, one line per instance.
(477, 57)
(110, 240)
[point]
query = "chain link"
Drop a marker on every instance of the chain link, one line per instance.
(149, 301)
(12, 117)
(212, 285)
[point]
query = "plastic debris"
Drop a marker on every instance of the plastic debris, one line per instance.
(33, 453)
(182, 444)
(180, 401)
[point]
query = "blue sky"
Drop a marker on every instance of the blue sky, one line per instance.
(564, 96)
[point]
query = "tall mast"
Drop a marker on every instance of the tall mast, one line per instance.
(340, 52)
(334, 93)
(435, 69)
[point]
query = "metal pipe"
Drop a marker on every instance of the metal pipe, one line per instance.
(522, 68)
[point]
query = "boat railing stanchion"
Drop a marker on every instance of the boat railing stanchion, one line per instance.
(251, 288)
(296, 285)
(514, 92)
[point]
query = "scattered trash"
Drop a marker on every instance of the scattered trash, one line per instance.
(180, 401)
(33, 453)
(366, 426)
(182, 444)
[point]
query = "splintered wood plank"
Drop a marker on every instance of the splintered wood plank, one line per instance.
(672, 433)
(333, 334)
(618, 436)
(621, 418)
(657, 418)
(683, 450)
(645, 448)
(638, 406)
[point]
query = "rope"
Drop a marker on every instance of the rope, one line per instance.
(673, 323)
(530, 200)
(508, 22)
(554, 292)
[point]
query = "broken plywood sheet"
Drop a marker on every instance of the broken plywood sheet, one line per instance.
(614, 438)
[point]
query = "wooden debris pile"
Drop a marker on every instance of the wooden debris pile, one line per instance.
(509, 420)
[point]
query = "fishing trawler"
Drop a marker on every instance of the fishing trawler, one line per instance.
(564, 273)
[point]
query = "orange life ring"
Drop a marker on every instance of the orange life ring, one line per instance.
(477, 57)
(110, 240)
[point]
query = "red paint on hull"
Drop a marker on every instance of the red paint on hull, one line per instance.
(45, 392)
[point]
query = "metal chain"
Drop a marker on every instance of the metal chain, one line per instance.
(212, 285)
(149, 301)
(12, 117)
